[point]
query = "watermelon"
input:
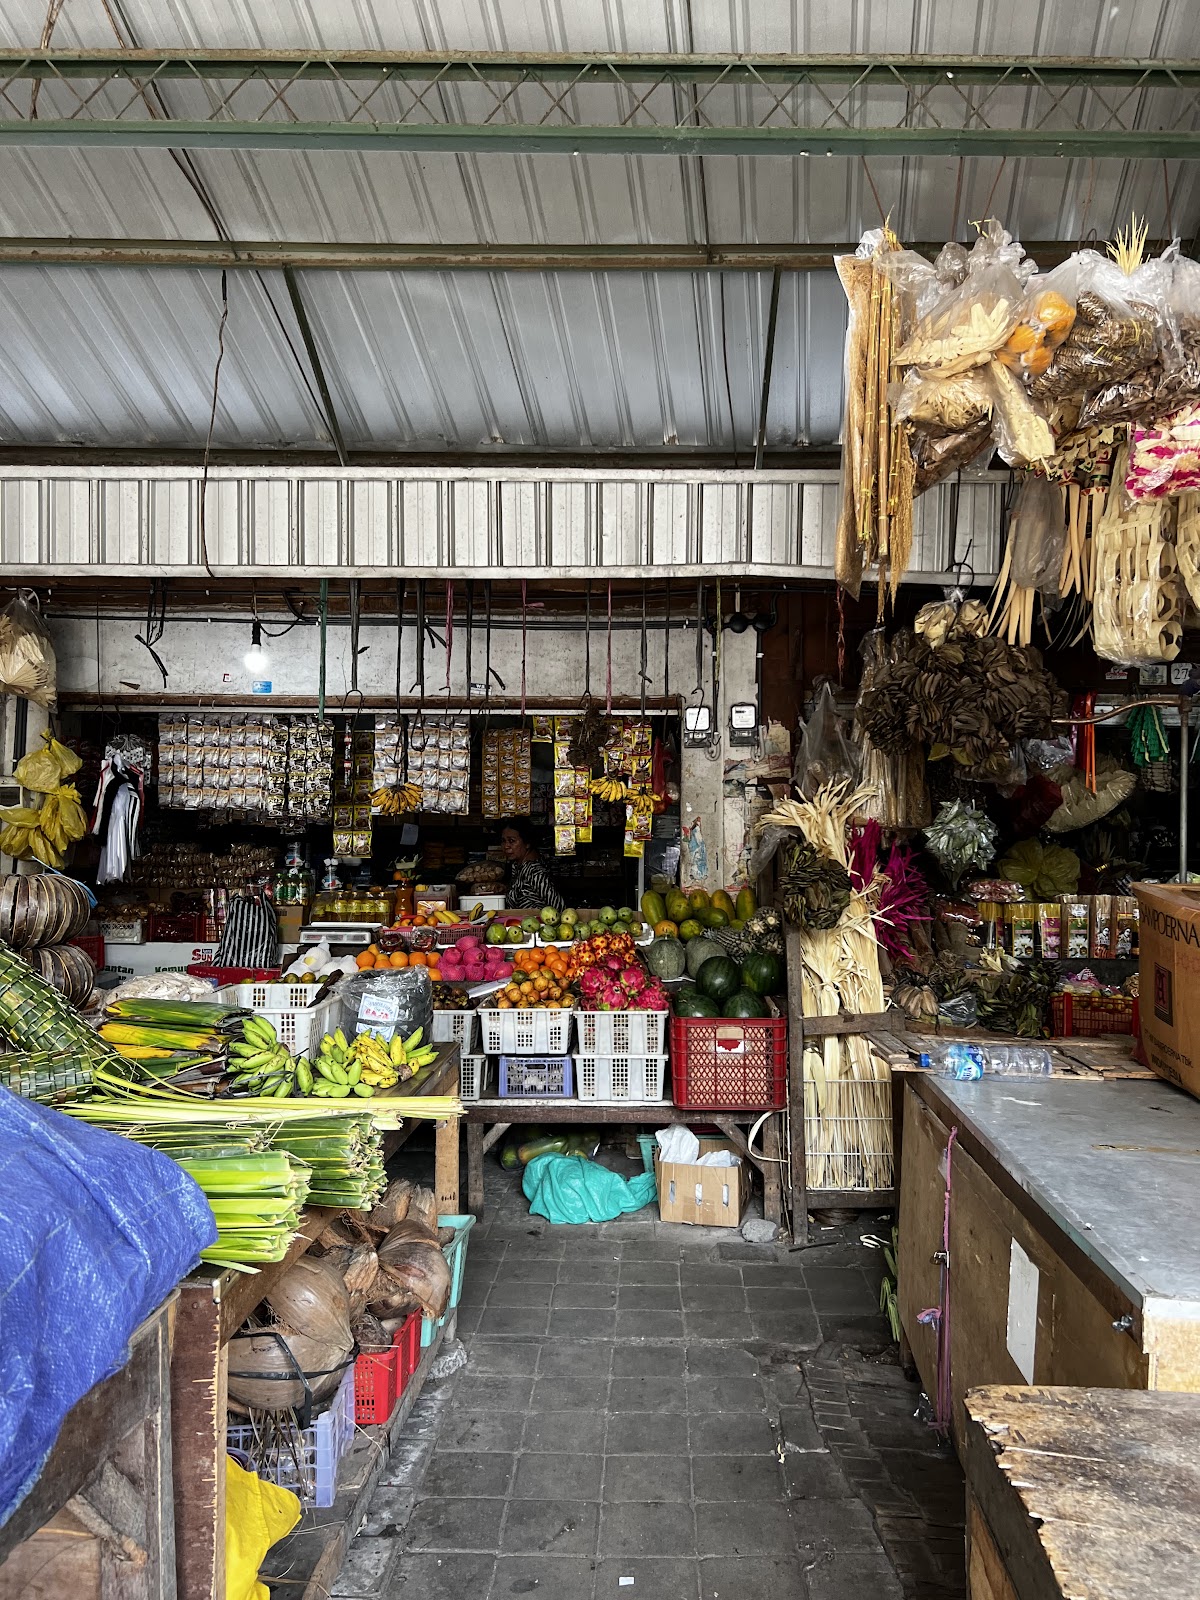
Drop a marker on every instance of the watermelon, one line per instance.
(667, 958)
(744, 1004)
(689, 1002)
(762, 974)
(699, 951)
(719, 978)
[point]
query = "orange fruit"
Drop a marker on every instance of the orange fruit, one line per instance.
(365, 958)
(399, 959)
(418, 959)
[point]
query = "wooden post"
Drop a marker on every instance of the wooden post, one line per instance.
(199, 1397)
(475, 1132)
(795, 1000)
(446, 1154)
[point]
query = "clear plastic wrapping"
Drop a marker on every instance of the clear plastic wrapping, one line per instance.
(1119, 322)
(27, 664)
(940, 455)
(1037, 532)
(943, 405)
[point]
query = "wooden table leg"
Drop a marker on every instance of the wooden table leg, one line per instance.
(199, 1397)
(446, 1158)
(772, 1172)
(475, 1131)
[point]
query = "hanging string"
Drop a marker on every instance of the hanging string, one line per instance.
(587, 642)
(449, 630)
(608, 673)
(524, 639)
(841, 637)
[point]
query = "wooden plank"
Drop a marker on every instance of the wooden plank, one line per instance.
(475, 1169)
(986, 1577)
(654, 1113)
(199, 1399)
(922, 1192)
(796, 1152)
(845, 1023)
(95, 1425)
(772, 1170)
(851, 1199)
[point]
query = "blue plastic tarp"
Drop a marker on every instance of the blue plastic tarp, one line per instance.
(95, 1231)
(573, 1189)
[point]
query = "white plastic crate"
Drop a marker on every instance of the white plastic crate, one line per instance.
(619, 1077)
(307, 1462)
(300, 1025)
(454, 1027)
(475, 1074)
(526, 1033)
(623, 1033)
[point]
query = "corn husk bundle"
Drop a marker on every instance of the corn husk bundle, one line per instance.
(878, 472)
(847, 1092)
(1137, 604)
(41, 908)
(970, 697)
(308, 1332)
(27, 664)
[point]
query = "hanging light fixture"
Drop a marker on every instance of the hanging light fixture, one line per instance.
(256, 659)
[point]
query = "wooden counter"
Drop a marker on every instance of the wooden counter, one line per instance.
(1073, 1252)
(1074, 1492)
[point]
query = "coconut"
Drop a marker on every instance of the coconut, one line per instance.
(393, 1207)
(310, 1334)
(412, 1271)
(423, 1206)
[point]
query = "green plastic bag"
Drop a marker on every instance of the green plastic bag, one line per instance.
(570, 1189)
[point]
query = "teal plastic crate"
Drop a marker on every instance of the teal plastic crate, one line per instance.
(456, 1258)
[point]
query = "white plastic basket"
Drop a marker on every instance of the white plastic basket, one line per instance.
(623, 1033)
(475, 1074)
(619, 1077)
(526, 1033)
(454, 1027)
(300, 1025)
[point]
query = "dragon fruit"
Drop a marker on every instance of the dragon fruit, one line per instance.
(613, 998)
(612, 964)
(633, 980)
(592, 982)
(652, 998)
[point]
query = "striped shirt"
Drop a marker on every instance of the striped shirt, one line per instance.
(532, 887)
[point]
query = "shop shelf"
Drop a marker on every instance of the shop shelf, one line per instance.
(619, 1077)
(526, 1033)
(622, 1033)
(456, 1256)
(454, 1027)
(535, 1075)
(728, 1064)
(307, 1461)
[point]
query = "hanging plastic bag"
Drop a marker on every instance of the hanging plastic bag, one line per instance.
(972, 320)
(1119, 322)
(942, 405)
(940, 456)
(1046, 317)
(44, 770)
(824, 755)
(1179, 384)
(1037, 531)
(27, 664)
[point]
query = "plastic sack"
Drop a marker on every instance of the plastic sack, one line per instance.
(1164, 456)
(405, 993)
(257, 1515)
(570, 1189)
(95, 1231)
(1023, 435)
(1037, 533)
(972, 320)
(1119, 322)
(27, 664)
(824, 755)
(942, 405)
(1046, 317)
(940, 456)
(43, 770)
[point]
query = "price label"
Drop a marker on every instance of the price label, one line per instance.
(378, 1014)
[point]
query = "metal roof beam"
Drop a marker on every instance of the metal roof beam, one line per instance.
(317, 255)
(606, 103)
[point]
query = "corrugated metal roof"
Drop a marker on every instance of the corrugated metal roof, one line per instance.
(464, 361)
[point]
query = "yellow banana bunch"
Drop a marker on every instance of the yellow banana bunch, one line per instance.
(609, 788)
(393, 802)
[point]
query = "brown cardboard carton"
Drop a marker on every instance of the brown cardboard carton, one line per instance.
(1169, 980)
(713, 1197)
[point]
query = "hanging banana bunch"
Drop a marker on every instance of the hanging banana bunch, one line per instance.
(394, 802)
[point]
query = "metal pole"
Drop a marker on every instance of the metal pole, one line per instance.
(310, 345)
(324, 630)
(768, 362)
(1185, 711)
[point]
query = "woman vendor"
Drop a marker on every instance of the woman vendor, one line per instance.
(530, 886)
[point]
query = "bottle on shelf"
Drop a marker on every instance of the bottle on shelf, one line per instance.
(954, 1058)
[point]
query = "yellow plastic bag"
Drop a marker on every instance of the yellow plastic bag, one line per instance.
(61, 817)
(43, 770)
(257, 1515)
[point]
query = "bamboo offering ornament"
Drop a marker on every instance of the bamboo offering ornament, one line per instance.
(847, 1087)
(875, 525)
(1137, 604)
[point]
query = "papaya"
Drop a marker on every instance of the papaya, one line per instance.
(666, 929)
(714, 918)
(698, 900)
(722, 902)
(677, 907)
(747, 905)
(654, 907)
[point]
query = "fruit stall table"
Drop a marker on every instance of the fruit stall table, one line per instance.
(213, 1305)
(489, 1120)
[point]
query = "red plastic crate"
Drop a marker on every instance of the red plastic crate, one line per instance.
(376, 1386)
(729, 1064)
(174, 927)
(406, 1343)
(223, 977)
(1088, 1016)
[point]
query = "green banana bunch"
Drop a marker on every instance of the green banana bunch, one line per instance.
(260, 1064)
(343, 1067)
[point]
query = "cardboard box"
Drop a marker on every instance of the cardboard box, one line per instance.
(1169, 972)
(713, 1197)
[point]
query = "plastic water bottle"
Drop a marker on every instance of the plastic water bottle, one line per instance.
(956, 1059)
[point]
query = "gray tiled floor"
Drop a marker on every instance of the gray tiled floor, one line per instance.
(670, 1406)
